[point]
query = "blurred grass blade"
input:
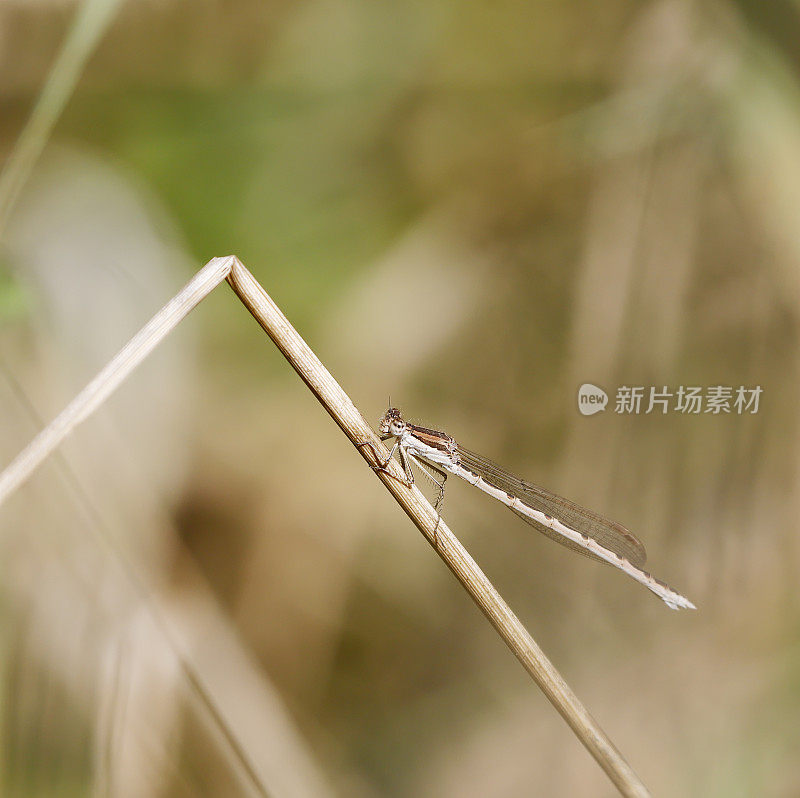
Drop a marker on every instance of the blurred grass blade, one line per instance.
(91, 21)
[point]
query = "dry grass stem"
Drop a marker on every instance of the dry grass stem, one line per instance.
(110, 377)
(447, 546)
(352, 423)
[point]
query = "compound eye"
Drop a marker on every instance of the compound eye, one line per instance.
(397, 428)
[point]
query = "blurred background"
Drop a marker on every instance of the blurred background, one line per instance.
(473, 207)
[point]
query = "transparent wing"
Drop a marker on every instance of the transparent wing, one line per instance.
(609, 534)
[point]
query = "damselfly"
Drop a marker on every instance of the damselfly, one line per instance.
(561, 520)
